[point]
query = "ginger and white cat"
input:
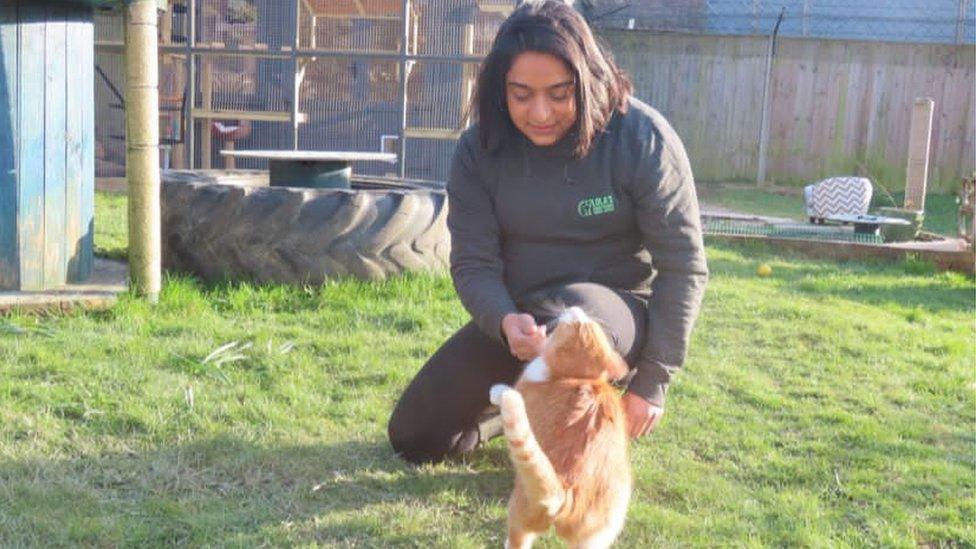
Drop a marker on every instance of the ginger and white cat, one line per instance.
(567, 439)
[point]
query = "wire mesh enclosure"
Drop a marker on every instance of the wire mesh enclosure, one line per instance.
(801, 231)
(397, 76)
(349, 75)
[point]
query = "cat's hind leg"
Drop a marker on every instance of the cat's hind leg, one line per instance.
(605, 536)
(601, 540)
(525, 521)
(520, 540)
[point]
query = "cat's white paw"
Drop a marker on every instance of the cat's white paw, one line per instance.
(495, 395)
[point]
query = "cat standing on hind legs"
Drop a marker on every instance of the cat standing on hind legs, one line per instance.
(567, 439)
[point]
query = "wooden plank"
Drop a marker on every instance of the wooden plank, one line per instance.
(491, 7)
(259, 116)
(165, 27)
(361, 17)
(31, 152)
(100, 291)
(432, 133)
(73, 231)
(308, 8)
(55, 93)
(9, 57)
(86, 85)
(351, 8)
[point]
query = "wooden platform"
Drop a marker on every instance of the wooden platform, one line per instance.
(724, 213)
(950, 254)
(109, 279)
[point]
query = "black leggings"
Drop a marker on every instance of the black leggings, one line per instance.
(437, 414)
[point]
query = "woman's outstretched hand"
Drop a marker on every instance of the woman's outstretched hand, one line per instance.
(642, 416)
(525, 338)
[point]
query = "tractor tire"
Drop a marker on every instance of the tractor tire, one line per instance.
(247, 230)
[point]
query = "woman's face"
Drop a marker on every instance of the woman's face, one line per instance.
(540, 92)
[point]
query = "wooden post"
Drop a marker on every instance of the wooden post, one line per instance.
(467, 78)
(206, 103)
(919, 141)
(142, 146)
(229, 163)
(298, 73)
(416, 35)
(404, 74)
(174, 82)
(166, 27)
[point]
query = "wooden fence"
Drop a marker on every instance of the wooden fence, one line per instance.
(836, 106)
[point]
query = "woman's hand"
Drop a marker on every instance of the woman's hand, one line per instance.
(642, 416)
(525, 338)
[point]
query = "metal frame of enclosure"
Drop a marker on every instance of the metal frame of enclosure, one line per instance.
(423, 39)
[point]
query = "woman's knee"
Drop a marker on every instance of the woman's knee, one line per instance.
(418, 443)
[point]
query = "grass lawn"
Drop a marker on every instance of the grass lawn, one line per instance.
(829, 405)
(940, 209)
(111, 230)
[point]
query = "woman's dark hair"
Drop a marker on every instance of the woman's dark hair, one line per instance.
(552, 27)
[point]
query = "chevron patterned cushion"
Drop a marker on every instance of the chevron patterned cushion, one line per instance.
(838, 195)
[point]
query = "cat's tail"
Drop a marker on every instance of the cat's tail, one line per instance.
(540, 482)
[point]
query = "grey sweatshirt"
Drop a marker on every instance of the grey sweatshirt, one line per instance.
(528, 218)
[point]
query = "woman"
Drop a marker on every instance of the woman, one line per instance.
(567, 191)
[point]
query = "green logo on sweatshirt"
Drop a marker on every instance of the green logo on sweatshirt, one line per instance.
(595, 206)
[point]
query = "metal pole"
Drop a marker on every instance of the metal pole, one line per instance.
(766, 100)
(961, 22)
(191, 85)
(142, 146)
(404, 67)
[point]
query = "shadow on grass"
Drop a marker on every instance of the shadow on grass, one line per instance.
(908, 283)
(229, 491)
